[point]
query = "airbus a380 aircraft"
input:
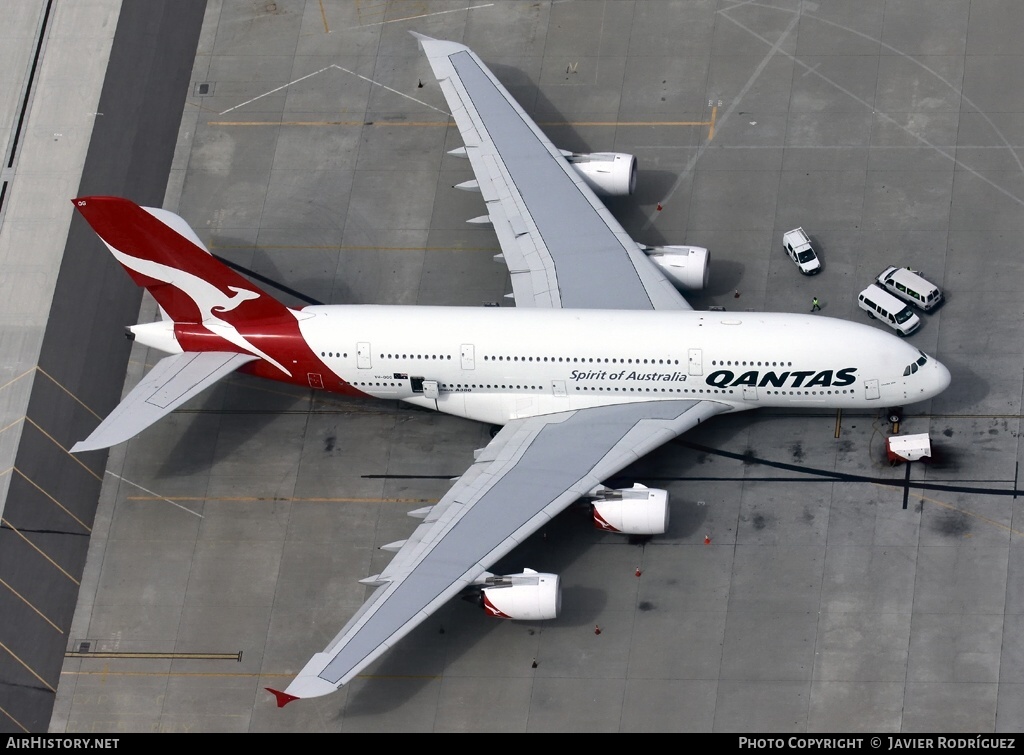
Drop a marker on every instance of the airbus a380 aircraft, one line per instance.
(601, 361)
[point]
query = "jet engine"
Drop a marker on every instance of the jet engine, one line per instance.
(631, 511)
(686, 266)
(530, 596)
(609, 174)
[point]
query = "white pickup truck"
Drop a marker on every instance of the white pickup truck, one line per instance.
(798, 246)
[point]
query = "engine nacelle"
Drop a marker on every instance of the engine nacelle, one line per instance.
(530, 596)
(610, 174)
(632, 511)
(686, 266)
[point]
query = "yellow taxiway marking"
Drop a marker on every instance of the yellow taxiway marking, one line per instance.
(342, 248)
(959, 510)
(426, 15)
(58, 384)
(616, 124)
(14, 720)
(57, 503)
(154, 496)
(446, 124)
(27, 667)
(19, 377)
(53, 380)
(256, 499)
(235, 675)
(53, 440)
(330, 123)
(37, 549)
(25, 600)
(133, 656)
(8, 427)
(323, 17)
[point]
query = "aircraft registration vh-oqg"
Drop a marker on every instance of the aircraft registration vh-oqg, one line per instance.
(601, 361)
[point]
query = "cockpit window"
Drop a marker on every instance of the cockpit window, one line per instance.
(913, 366)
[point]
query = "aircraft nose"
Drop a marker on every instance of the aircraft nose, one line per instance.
(942, 378)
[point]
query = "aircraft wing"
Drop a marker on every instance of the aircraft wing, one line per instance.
(562, 246)
(532, 470)
(172, 382)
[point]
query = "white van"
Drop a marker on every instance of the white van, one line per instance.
(911, 286)
(896, 314)
(798, 246)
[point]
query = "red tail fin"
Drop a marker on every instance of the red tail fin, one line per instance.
(188, 283)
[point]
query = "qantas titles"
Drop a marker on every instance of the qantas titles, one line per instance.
(794, 379)
(729, 379)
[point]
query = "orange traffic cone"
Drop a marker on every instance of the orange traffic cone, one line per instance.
(638, 572)
(597, 629)
(707, 540)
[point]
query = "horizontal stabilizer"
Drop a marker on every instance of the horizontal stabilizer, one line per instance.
(172, 382)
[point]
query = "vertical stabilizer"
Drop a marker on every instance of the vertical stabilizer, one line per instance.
(163, 255)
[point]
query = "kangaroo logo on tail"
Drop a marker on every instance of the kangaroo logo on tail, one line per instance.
(207, 298)
(158, 246)
(240, 295)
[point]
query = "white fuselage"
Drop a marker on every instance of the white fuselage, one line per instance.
(495, 364)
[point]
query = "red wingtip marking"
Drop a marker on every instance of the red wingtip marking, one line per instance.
(283, 698)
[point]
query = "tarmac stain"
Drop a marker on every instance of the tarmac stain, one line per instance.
(329, 443)
(749, 457)
(948, 432)
(797, 451)
(953, 524)
(759, 522)
(646, 605)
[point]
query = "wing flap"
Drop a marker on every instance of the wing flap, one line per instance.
(172, 382)
(532, 470)
(577, 253)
